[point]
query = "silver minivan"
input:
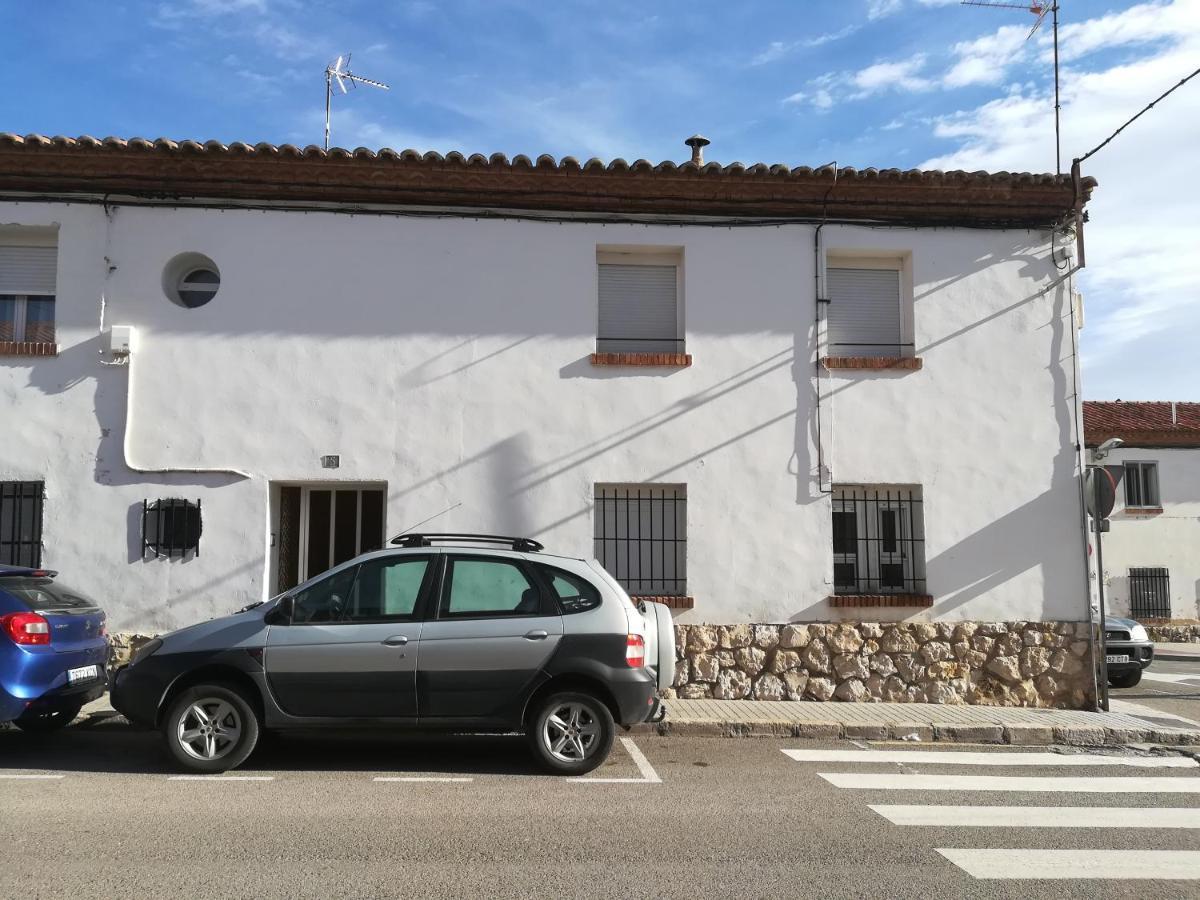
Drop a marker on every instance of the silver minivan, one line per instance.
(447, 631)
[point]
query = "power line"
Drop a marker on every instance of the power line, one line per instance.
(1145, 110)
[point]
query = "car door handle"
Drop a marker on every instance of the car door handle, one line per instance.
(536, 635)
(396, 640)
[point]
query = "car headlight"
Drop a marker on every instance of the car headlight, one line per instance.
(1138, 633)
(145, 650)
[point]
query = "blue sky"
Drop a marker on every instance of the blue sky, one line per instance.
(864, 82)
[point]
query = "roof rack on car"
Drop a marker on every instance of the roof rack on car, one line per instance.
(521, 544)
(26, 572)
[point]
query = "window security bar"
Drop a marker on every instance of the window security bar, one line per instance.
(1150, 593)
(171, 527)
(641, 537)
(21, 523)
(878, 541)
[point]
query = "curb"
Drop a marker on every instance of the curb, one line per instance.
(1074, 736)
(1178, 657)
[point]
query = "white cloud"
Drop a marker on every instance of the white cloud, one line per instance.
(1142, 282)
(985, 60)
(1140, 24)
(778, 50)
(900, 75)
(877, 9)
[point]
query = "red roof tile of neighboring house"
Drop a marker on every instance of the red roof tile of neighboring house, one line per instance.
(1142, 423)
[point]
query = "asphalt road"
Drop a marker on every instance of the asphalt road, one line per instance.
(1168, 686)
(726, 817)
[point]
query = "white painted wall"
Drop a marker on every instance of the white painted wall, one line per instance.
(449, 359)
(1170, 538)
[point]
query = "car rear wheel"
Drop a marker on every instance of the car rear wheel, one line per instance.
(51, 720)
(1127, 679)
(210, 728)
(571, 733)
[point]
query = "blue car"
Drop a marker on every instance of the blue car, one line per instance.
(53, 650)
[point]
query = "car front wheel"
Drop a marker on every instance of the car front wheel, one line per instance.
(1127, 679)
(571, 733)
(210, 728)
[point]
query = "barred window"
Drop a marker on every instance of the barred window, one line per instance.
(641, 537)
(1150, 593)
(171, 527)
(878, 540)
(21, 523)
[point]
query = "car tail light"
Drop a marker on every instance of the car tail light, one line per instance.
(635, 651)
(26, 628)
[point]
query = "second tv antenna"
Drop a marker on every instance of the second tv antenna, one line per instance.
(339, 71)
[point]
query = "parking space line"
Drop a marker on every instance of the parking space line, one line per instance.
(419, 778)
(649, 776)
(220, 778)
(16, 776)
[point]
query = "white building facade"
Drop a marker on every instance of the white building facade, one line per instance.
(1152, 548)
(768, 395)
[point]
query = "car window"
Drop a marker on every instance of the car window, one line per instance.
(387, 589)
(326, 600)
(488, 587)
(42, 594)
(574, 594)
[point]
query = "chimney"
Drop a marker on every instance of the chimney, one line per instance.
(698, 142)
(1174, 418)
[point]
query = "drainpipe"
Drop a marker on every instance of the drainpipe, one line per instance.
(821, 291)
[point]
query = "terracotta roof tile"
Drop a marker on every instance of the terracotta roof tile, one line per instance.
(187, 168)
(1141, 423)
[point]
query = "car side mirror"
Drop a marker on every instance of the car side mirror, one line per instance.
(282, 613)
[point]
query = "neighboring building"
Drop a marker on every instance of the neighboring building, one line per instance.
(1152, 548)
(227, 368)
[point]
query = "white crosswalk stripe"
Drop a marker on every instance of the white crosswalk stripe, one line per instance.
(1023, 864)
(1033, 784)
(1016, 865)
(969, 758)
(1039, 816)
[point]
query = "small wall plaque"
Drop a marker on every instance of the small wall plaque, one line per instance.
(332, 461)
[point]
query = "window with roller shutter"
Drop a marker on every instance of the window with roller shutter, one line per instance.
(866, 310)
(639, 309)
(27, 292)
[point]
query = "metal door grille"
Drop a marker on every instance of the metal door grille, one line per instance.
(21, 523)
(1150, 593)
(641, 537)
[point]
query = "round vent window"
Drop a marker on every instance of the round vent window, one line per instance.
(191, 280)
(198, 286)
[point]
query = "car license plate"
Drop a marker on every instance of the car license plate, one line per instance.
(83, 673)
(1116, 659)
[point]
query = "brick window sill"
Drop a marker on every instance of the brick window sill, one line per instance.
(671, 360)
(1143, 510)
(853, 601)
(672, 602)
(27, 348)
(910, 363)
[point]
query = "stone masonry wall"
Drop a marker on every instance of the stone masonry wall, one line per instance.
(1174, 634)
(990, 663)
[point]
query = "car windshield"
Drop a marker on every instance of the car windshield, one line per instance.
(41, 594)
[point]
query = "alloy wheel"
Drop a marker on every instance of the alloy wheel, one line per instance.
(209, 728)
(571, 732)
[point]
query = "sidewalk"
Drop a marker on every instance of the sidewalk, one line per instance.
(922, 722)
(1178, 652)
(888, 721)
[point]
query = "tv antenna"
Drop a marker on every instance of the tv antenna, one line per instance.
(1041, 10)
(339, 71)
